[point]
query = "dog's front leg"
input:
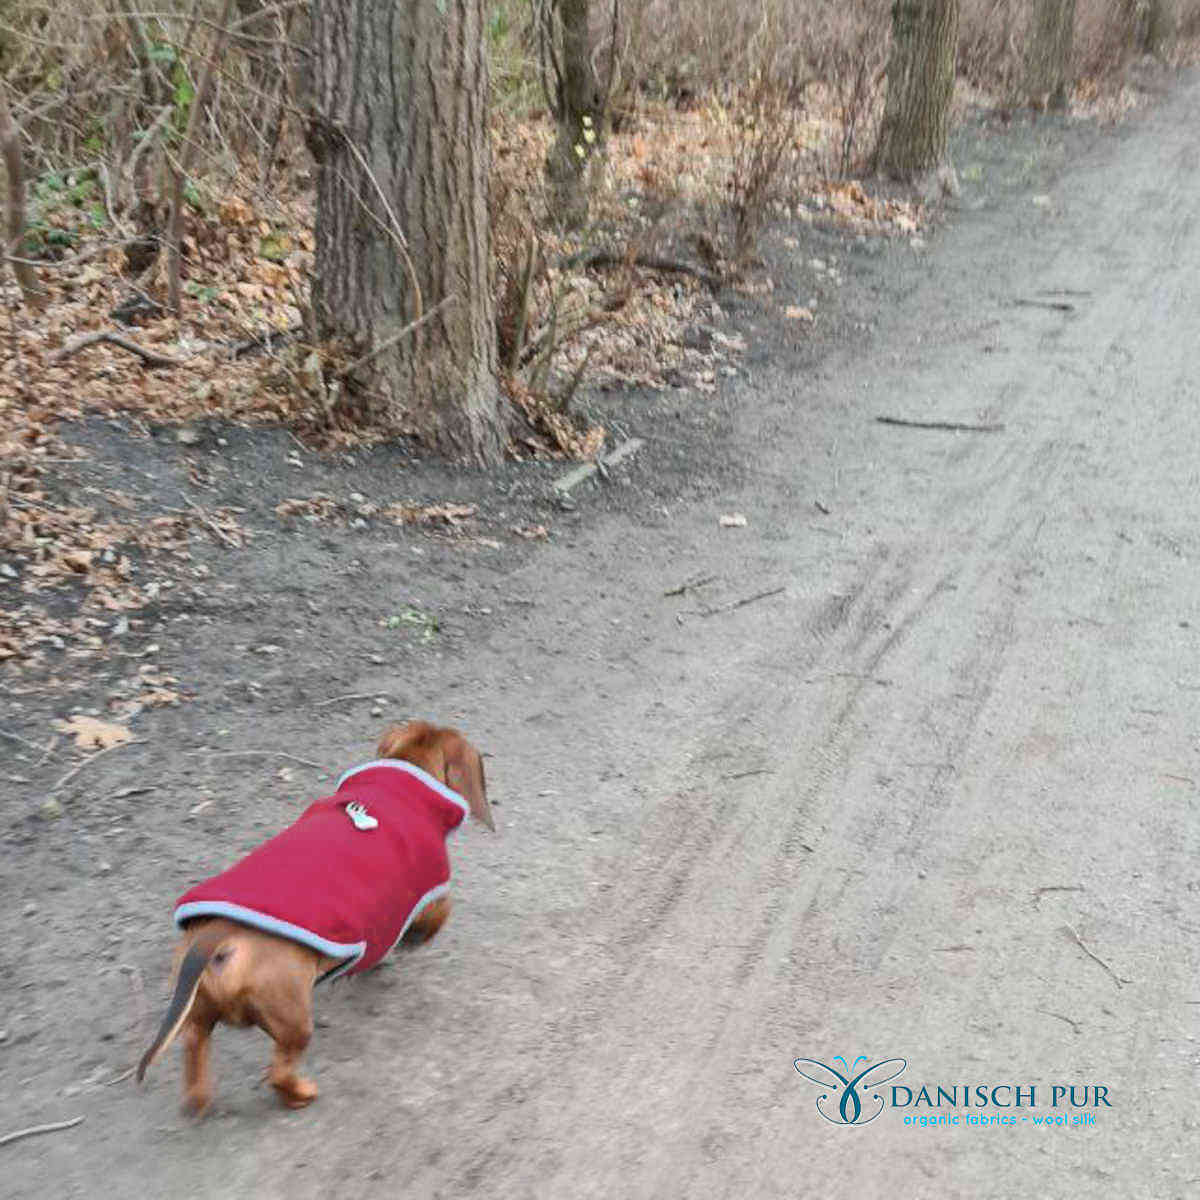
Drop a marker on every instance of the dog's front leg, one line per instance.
(427, 922)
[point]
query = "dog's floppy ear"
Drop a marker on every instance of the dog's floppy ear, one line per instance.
(464, 773)
(399, 741)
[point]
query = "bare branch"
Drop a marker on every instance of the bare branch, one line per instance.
(10, 148)
(198, 103)
(150, 357)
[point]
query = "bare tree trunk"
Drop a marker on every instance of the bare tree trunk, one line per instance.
(579, 110)
(1157, 27)
(400, 135)
(10, 150)
(920, 86)
(1048, 76)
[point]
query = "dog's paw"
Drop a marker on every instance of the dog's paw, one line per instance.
(297, 1093)
(196, 1104)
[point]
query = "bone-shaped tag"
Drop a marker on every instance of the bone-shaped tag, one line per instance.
(361, 818)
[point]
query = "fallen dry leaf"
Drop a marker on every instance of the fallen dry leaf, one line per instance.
(92, 734)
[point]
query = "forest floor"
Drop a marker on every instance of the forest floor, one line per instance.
(899, 762)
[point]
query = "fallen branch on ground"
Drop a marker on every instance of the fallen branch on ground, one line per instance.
(152, 357)
(684, 587)
(1055, 305)
(304, 762)
(1094, 956)
(952, 425)
(36, 1129)
(348, 696)
(91, 758)
(712, 612)
(609, 258)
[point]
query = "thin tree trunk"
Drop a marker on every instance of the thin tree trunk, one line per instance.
(1048, 75)
(579, 113)
(1158, 27)
(920, 86)
(10, 150)
(400, 136)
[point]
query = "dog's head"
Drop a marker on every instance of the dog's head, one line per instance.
(447, 756)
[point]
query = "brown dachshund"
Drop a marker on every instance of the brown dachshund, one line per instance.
(357, 873)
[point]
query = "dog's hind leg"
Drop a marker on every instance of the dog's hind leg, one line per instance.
(427, 922)
(285, 1012)
(197, 1074)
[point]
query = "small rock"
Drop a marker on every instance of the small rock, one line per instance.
(120, 626)
(358, 523)
(3, 1036)
(377, 711)
(50, 809)
(265, 648)
(357, 498)
(377, 659)
(187, 436)
(30, 909)
(105, 868)
(7, 571)
(57, 642)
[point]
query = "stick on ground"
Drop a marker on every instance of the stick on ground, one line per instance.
(952, 425)
(1093, 955)
(150, 357)
(91, 758)
(712, 612)
(33, 1130)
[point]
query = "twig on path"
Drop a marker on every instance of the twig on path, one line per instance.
(33, 1130)
(724, 608)
(261, 754)
(1056, 305)
(152, 357)
(1094, 956)
(347, 696)
(16, 737)
(1073, 1024)
(211, 525)
(685, 587)
(747, 774)
(91, 758)
(960, 426)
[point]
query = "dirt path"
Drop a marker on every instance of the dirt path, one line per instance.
(937, 799)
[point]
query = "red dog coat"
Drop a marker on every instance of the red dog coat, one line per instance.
(351, 874)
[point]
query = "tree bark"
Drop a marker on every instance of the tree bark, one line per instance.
(920, 86)
(579, 111)
(1157, 28)
(1048, 76)
(10, 151)
(400, 136)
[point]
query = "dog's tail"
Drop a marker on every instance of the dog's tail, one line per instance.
(187, 983)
